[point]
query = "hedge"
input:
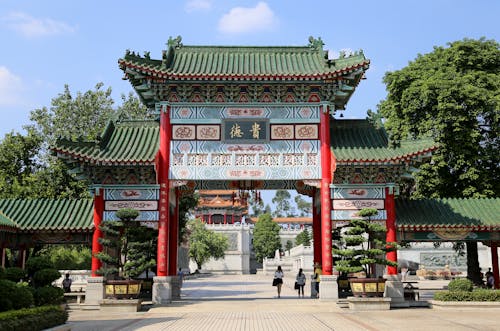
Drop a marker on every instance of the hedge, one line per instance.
(477, 295)
(460, 284)
(33, 319)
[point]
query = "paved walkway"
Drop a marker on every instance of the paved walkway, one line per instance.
(249, 302)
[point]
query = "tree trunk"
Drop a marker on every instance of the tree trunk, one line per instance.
(473, 270)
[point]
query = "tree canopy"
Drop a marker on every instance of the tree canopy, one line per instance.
(205, 244)
(266, 237)
(282, 203)
(453, 96)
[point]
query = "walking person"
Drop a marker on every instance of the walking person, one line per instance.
(300, 281)
(278, 280)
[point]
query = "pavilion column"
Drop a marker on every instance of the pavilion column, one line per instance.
(3, 257)
(98, 216)
(391, 228)
(163, 178)
(316, 228)
(225, 217)
(326, 222)
(494, 263)
(173, 238)
(209, 218)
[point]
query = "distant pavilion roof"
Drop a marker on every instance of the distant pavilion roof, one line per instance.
(359, 141)
(31, 215)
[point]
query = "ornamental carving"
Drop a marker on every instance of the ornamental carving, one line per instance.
(282, 132)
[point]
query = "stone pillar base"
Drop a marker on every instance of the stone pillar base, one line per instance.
(94, 293)
(162, 290)
(365, 304)
(394, 290)
(328, 288)
(176, 285)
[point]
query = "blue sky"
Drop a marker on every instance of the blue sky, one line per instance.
(46, 44)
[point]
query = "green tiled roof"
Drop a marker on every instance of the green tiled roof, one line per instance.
(425, 214)
(127, 142)
(6, 223)
(359, 141)
(49, 214)
(244, 62)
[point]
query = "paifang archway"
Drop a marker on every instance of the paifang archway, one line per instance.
(233, 116)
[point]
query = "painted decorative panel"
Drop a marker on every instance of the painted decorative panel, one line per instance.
(131, 194)
(143, 216)
(282, 132)
(183, 132)
(139, 205)
(208, 132)
(357, 204)
(357, 192)
(342, 215)
(306, 131)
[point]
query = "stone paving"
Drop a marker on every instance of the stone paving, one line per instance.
(249, 302)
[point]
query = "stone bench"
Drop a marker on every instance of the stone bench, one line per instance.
(78, 295)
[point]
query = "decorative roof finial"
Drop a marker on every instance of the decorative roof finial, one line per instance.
(174, 42)
(316, 44)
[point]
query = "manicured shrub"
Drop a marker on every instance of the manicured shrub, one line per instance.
(37, 263)
(15, 274)
(14, 296)
(460, 284)
(48, 295)
(478, 295)
(33, 319)
(45, 277)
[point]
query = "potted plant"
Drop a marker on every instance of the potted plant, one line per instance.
(121, 241)
(361, 246)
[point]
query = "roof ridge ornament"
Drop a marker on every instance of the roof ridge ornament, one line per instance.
(174, 42)
(316, 44)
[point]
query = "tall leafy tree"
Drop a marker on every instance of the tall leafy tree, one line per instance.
(303, 238)
(205, 244)
(266, 237)
(452, 95)
(304, 207)
(282, 203)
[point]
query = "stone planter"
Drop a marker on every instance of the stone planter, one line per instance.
(123, 289)
(367, 287)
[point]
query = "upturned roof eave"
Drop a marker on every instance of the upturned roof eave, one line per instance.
(395, 159)
(165, 74)
(98, 161)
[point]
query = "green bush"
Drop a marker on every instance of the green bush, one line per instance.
(460, 284)
(45, 277)
(15, 274)
(478, 295)
(33, 319)
(14, 296)
(37, 263)
(2, 273)
(48, 295)
(68, 257)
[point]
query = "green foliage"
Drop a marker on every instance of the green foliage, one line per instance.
(33, 319)
(14, 296)
(127, 214)
(110, 255)
(186, 203)
(477, 295)
(288, 245)
(361, 245)
(68, 257)
(48, 295)
(266, 237)
(45, 277)
(304, 207)
(460, 284)
(15, 274)
(2, 273)
(36, 263)
(303, 238)
(282, 203)
(141, 253)
(205, 244)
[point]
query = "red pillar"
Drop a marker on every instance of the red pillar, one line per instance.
(98, 216)
(173, 238)
(391, 229)
(316, 229)
(225, 218)
(163, 222)
(326, 222)
(494, 264)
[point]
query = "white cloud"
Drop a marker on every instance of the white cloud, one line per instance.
(242, 20)
(194, 5)
(10, 88)
(32, 27)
